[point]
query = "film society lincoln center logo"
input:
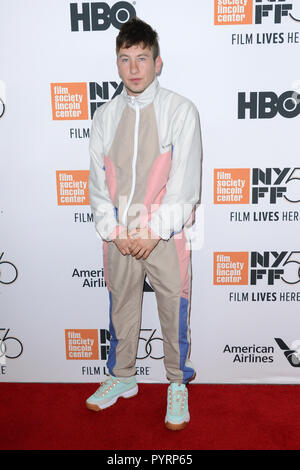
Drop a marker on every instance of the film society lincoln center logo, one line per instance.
(69, 101)
(82, 344)
(72, 187)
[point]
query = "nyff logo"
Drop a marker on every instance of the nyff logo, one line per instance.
(10, 346)
(245, 185)
(99, 16)
(8, 271)
(106, 91)
(276, 9)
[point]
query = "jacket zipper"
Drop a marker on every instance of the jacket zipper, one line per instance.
(135, 151)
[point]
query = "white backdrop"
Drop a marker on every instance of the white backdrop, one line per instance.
(241, 69)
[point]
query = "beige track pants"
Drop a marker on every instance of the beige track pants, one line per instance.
(168, 268)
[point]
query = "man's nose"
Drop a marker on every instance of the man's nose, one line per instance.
(133, 66)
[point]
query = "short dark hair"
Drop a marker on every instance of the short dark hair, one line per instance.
(135, 32)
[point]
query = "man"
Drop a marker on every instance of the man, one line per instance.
(145, 149)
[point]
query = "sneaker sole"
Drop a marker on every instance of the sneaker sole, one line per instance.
(177, 426)
(129, 394)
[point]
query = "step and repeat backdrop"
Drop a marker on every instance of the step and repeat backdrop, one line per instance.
(237, 60)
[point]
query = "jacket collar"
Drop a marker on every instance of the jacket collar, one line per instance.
(144, 98)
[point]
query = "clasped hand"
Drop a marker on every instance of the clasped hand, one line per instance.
(138, 243)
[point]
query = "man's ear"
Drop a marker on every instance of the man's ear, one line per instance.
(158, 64)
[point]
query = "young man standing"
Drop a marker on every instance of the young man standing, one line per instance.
(145, 149)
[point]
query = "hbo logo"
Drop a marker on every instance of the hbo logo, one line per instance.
(99, 16)
(267, 104)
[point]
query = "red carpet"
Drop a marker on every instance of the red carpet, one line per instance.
(238, 417)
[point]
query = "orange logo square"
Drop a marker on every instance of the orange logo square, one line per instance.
(232, 186)
(82, 344)
(69, 101)
(231, 268)
(237, 12)
(72, 187)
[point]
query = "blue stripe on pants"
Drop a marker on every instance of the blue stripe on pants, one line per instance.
(188, 372)
(111, 362)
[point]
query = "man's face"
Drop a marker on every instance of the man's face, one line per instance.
(136, 68)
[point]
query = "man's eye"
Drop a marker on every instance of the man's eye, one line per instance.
(124, 60)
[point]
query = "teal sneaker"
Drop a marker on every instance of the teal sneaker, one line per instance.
(177, 415)
(109, 392)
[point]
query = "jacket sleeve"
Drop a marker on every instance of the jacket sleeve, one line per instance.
(183, 186)
(101, 204)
